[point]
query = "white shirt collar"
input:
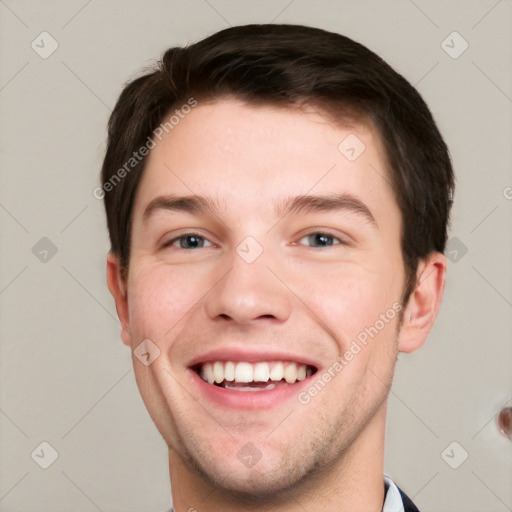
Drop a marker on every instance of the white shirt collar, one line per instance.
(393, 501)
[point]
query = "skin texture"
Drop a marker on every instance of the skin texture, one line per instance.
(308, 298)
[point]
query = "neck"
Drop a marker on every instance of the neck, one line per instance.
(354, 481)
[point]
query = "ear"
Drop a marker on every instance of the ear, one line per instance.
(116, 281)
(423, 305)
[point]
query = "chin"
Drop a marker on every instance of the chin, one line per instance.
(267, 480)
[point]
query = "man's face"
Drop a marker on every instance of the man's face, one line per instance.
(251, 281)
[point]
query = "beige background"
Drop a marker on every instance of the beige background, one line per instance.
(65, 376)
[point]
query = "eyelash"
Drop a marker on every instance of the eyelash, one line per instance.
(325, 234)
(197, 235)
(181, 237)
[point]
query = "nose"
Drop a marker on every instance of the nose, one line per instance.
(249, 292)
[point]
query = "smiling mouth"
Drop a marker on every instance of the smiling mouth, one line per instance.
(260, 376)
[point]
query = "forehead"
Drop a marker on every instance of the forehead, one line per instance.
(245, 156)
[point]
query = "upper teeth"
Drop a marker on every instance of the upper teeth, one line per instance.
(244, 372)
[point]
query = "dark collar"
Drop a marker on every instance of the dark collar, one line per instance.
(409, 506)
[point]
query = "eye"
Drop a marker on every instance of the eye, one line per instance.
(320, 240)
(189, 241)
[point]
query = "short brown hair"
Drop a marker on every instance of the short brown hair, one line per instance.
(290, 65)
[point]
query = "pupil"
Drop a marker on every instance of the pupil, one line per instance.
(323, 239)
(191, 241)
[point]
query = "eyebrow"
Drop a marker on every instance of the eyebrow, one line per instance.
(326, 203)
(196, 204)
(191, 204)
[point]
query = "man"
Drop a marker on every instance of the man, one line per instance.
(277, 200)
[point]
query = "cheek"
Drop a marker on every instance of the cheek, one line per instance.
(160, 297)
(348, 298)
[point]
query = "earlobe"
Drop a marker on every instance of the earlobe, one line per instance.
(423, 305)
(116, 281)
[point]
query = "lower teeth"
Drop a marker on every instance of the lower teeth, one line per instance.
(228, 385)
